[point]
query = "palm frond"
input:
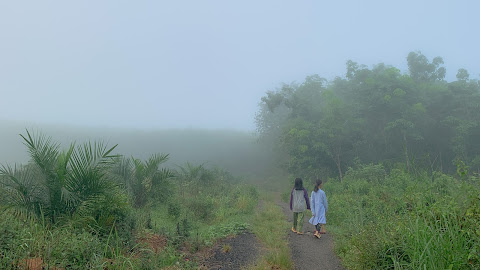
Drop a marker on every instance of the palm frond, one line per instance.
(89, 160)
(161, 176)
(190, 172)
(88, 172)
(20, 190)
(43, 152)
(67, 197)
(56, 184)
(151, 165)
(139, 168)
(166, 173)
(146, 177)
(122, 171)
(63, 162)
(46, 156)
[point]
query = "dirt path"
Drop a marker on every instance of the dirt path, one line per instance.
(233, 253)
(308, 252)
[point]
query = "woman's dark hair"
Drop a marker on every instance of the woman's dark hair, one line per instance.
(298, 183)
(318, 182)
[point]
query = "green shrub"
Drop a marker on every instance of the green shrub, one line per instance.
(202, 207)
(72, 250)
(59, 247)
(174, 209)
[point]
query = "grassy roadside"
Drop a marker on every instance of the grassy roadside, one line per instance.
(165, 235)
(402, 220)
(271, 229)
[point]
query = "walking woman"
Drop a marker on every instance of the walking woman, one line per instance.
(319, 209)
(298, 199)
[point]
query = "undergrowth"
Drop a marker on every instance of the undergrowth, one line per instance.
(403, 220)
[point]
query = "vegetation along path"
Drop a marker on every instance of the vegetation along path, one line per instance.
(309, 252)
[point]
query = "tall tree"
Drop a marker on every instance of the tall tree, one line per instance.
(422, 70)
(376, 115)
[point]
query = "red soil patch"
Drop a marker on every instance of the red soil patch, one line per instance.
(35, 263)
(155, 242)
(31, 264)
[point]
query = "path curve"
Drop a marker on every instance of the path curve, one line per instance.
(308, 252)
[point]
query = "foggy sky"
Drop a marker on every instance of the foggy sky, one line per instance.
(205, 64)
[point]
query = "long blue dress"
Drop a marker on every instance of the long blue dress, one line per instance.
(319, 206)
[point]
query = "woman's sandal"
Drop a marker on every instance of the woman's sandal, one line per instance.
(293, 230)
(317, 235)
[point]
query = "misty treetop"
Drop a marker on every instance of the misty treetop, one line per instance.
(377, 115)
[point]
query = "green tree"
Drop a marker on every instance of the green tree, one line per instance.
(421, 70)
(462, 75)
(375, 115)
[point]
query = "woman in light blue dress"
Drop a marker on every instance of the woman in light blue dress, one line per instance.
(319, 206)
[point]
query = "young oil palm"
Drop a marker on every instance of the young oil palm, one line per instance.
(144, 180)
(59, 183)
(19, 191)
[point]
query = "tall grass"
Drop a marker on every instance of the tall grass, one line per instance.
(405, 221)
(23, 239)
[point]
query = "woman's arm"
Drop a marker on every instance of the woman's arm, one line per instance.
(305, 195)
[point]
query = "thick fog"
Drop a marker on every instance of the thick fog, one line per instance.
(186, 79)
(205, 64)
(236, 151)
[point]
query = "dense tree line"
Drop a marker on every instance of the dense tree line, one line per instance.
(377, 115)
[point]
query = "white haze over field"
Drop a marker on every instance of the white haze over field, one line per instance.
(205, 64)
(236, 151)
